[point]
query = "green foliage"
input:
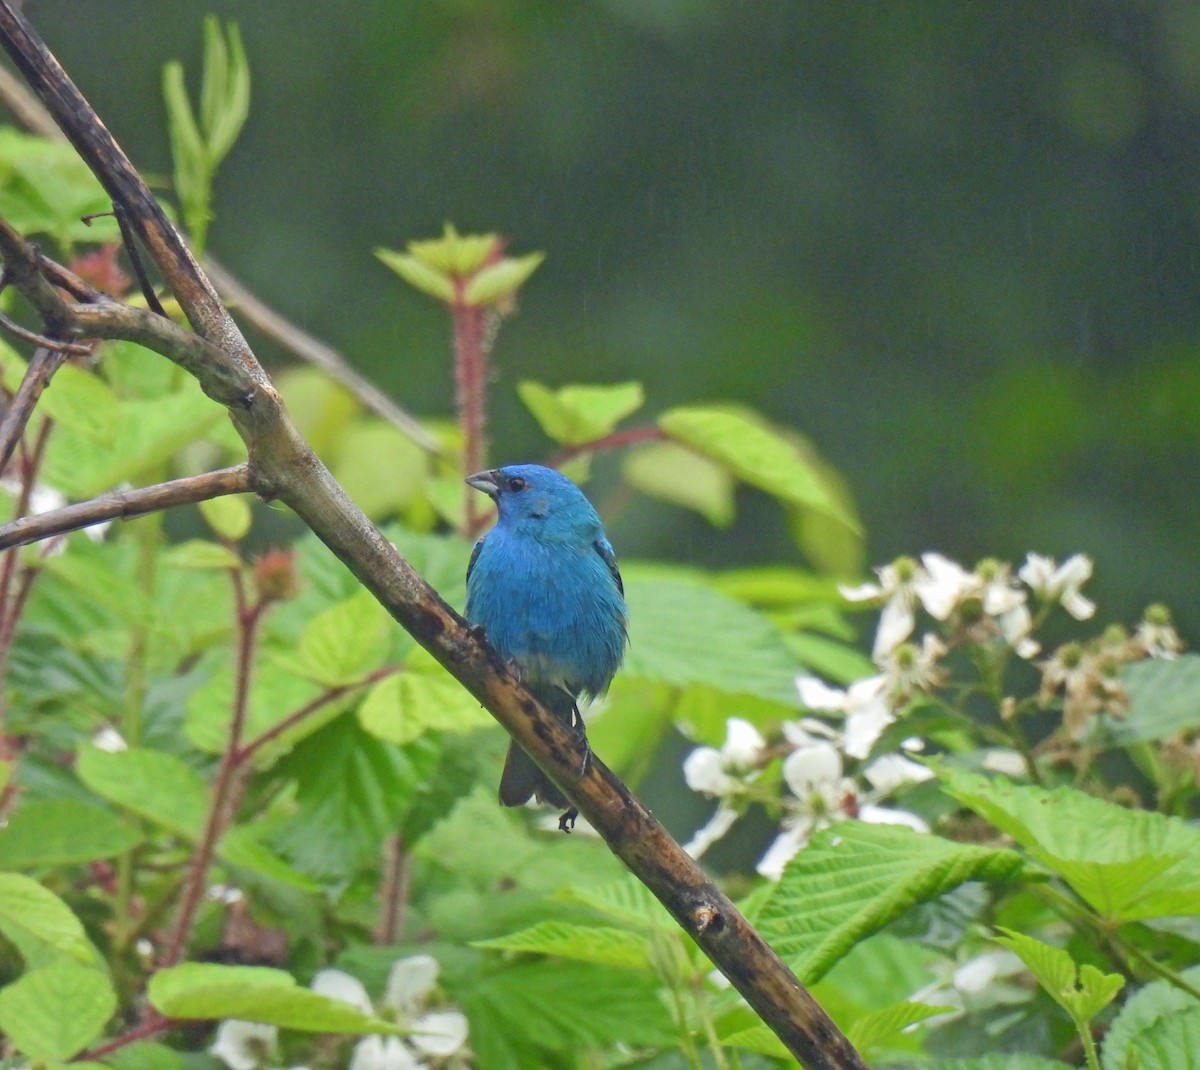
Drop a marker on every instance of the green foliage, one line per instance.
(855, 879)
(218, 744)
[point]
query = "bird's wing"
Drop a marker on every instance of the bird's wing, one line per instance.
(606, 553)
(474, 556)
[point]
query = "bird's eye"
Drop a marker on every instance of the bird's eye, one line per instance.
(517, 483)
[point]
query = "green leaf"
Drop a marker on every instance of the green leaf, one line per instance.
(83, 403)
(241, 847)
(682, 633)
(402, 707)
(1006, 1061)
(1150, 1004)
(29, 912)
(758, 1038)
(566, 1006)
(276, 692)
(582, 943)
(151, 783)
(757, 453)
(228, 515)
(381, 468)
(671, 473)
(877, 1029)
(419, 275)
(580, 413)
(627, 901)
(352, 790)
(500, 281)
(54, 1012)
(61, 832)
(1127, 864)
(1169, 1044)
(855, 878)
(256, 994)
(202, 554)
(225, 89)
(1083, 996)
(1164, 699)
(454, 253)
(144, 1055)
(344, 643)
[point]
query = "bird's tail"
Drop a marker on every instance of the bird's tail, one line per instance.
(522, 780)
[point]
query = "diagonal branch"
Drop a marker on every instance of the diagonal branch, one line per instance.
(42, 366)
(126, 504)
(285, 466)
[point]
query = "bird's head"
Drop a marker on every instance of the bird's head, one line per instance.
(538, 500)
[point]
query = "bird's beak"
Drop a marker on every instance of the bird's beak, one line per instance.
(488, 482)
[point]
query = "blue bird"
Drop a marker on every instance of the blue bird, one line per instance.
(544, 586)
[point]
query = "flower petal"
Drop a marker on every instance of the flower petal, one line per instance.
(719, 824)
(439, 1033)
(885, 815)
(818, 695)
(743, 744)
(896, 624)
(409, 982)
(243, 1045)
(337, 984)
(812, 767)
(705, 772)
(893, 771)
(789, 842)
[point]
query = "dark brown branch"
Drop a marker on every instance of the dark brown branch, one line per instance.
(14, 328)
(125, 504)
(285, 464)
(315, 352)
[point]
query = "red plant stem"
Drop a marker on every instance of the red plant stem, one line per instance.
(307, 710)
(154, 1024)
(471, 346)
(248, 617)
(635, 436)
(393, 895)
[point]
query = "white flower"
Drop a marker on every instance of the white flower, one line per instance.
(815, 694)
(944, 585)
(910, 668)
(244, 1045)
(723, 774)
(1060, 583)
(1008, 762)
(897, 587)
(893, 771)
(814, 775)
(868, 713)
(437, 1034)
(1014, 626)
(109, 739)
(1156, 634)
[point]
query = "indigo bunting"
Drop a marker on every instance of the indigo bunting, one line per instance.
(545, 587)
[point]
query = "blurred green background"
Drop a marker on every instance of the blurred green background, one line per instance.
(954, 243)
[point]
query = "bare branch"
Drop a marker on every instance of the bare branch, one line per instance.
(125, 504)
(315, 352)
(42, 365)
(285, 465)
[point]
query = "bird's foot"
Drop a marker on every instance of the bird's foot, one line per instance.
(566, 821)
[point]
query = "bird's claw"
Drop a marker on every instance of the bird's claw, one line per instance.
(566, 821)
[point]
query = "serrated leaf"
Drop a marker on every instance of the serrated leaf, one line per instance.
(62, 832)
(202, 555)
(566, 1006)
(1148, 1005)
(500, 281)
(684, 633)
(1005, 1061)
(256, 994)
(758, 1038)
(276, 692)
(352, 790)
(419, 275)
(151, 783)
(581, 943)
(876, 1029)
(228, 515)
(755, 453)
(344, 643)
(54, 1012)
(671, 473)
(627, 901)
(1164, 699)
(578, 412)
(1169, 1044)
(1083, 992)
(30, 912)
(1127, 864)
(406, 705)
(855, 878)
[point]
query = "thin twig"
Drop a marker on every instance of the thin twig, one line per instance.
(634, 436)
(125, 504)
(315, 352)
(79, 349)
(393, 892)
(42, 366)
(154, 1024)
(247, 620)
(135, 260)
